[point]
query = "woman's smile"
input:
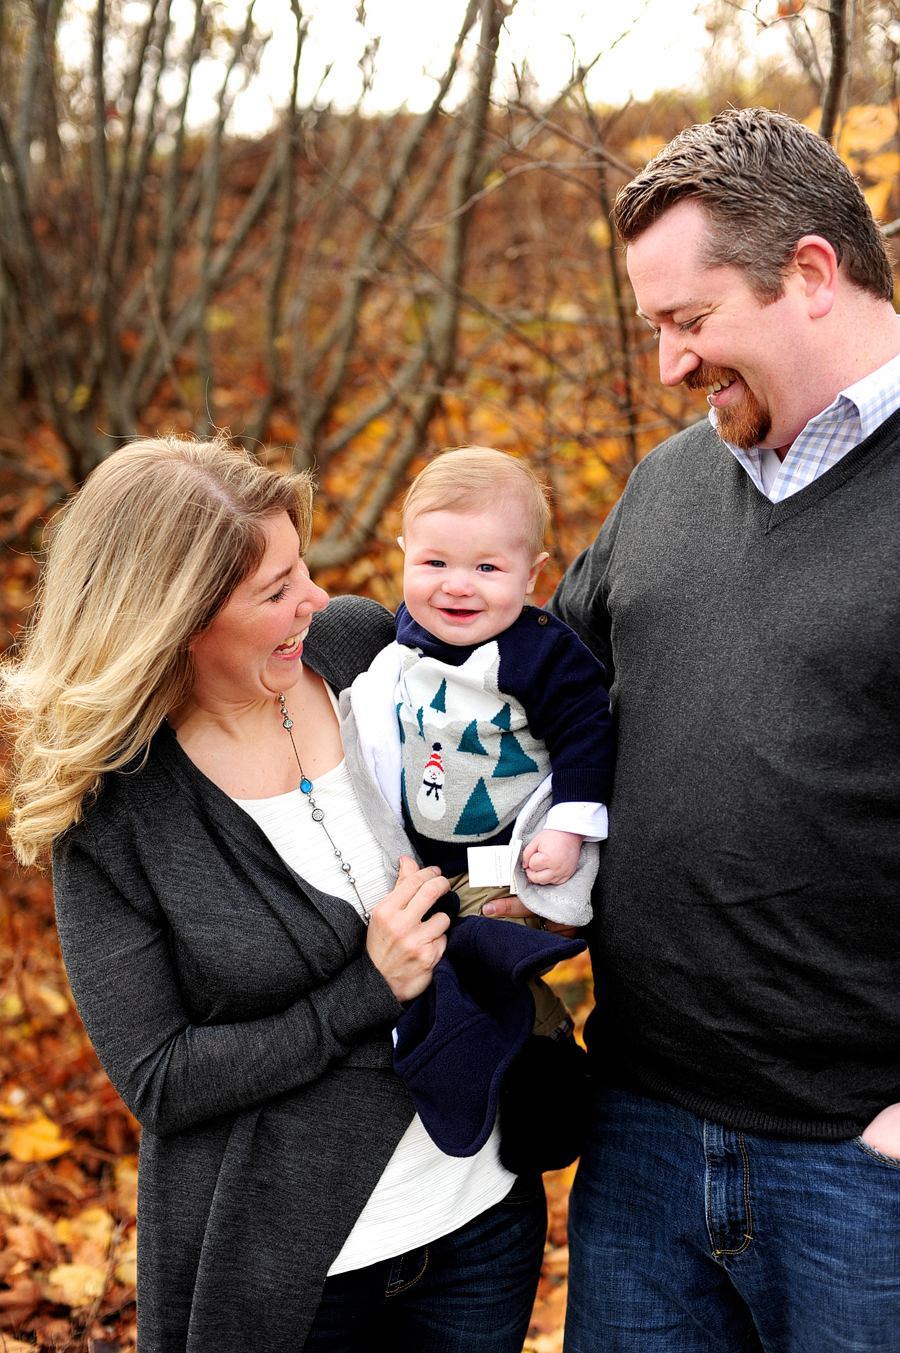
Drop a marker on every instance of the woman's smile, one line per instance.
(244, 652)
(291, 648)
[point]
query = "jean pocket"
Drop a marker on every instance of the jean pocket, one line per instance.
(875, 1154)
(526, 1190)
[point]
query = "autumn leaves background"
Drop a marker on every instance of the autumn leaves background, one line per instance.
(348, 292)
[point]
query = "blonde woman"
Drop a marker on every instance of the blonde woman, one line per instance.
(238, 945)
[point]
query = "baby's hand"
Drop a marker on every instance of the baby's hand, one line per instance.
(552, 856)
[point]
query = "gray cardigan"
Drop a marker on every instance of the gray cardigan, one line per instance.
(237, 1013)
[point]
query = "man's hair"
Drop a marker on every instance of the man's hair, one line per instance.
(764, 181)
(471, 478)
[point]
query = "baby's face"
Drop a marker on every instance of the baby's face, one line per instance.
(466, 574)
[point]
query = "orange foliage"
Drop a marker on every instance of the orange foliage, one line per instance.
(68, 1162)
(866, 142)
(67, 1143)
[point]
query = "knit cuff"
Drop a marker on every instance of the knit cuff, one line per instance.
(580, 786)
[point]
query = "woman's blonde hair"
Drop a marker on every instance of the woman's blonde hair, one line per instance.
(140, 561)
(470, 478)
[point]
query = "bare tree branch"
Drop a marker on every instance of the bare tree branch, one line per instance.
(456, 284)
(839, 68)
(98, 141)
(188, 314)
(567, 135)
(286, 190)
(346, 322)
(24, 263)
(28, 87)
(212, 165)
(344, 539)
(627, 365)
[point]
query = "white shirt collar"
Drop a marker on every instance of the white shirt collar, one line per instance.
(852, 415)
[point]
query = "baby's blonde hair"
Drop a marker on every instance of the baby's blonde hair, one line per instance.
(140, 562)
(469, 478)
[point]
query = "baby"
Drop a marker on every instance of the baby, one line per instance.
(494, 695)
(486, 727)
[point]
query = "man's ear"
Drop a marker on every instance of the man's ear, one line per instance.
(818, 268)
(535, 569)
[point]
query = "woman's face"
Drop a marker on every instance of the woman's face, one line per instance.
(252, 649)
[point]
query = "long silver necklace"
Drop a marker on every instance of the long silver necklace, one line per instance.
(306, 788)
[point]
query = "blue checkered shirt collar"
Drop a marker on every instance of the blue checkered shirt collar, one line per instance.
(848, 420)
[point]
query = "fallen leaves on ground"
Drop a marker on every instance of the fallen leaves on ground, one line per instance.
(572, 980)
(68, 1153)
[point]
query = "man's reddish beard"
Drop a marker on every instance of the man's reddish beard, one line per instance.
(744, 424)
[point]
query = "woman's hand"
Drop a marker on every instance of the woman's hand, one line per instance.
(514, 906)
(403, 947)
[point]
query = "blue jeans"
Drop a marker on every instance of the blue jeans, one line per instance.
(469, 1292)
(687, 1237)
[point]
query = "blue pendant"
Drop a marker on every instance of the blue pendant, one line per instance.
(305, 786)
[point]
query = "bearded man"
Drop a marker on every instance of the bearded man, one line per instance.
(741, 1189)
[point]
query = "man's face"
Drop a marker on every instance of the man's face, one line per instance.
(716, 336)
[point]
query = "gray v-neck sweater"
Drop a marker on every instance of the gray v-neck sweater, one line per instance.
(746, 946)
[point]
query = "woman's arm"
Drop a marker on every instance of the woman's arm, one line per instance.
(172, 1073)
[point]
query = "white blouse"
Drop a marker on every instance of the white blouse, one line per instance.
(422, 1194)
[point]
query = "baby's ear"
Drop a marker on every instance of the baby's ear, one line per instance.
(402, 543)
(535, 569)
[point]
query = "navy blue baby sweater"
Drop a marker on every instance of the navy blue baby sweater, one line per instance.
(531, 700)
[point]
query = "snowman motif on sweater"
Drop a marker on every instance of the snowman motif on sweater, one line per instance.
(466, 747)
(430, 798)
